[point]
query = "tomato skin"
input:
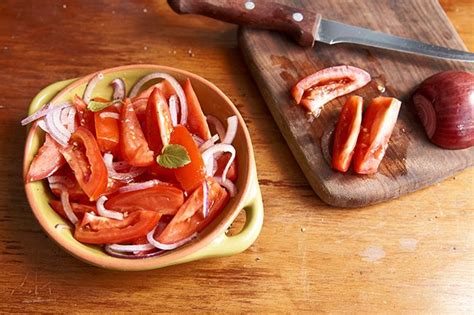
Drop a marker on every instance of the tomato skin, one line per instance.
(221, 164)
(164, 199)
(47, 161)
(165, 87)
(133, 145)
(85, 116)
(346, 133)
(377, 126)
(89, 167)
(315, 90)
(196, 122)
(100, 230)
(158, 121)
(107, 131)
(191, 175)
(189, 218)
(78, 208)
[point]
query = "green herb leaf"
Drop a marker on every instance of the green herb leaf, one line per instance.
(173, 156)
(95, 106)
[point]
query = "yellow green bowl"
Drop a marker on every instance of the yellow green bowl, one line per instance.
(212, 241)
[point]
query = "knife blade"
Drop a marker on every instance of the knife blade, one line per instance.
(307, 27)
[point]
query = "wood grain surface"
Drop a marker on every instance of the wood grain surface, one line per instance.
(412, 254)
(411, 160)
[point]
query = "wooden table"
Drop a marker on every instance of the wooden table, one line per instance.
(411, 254)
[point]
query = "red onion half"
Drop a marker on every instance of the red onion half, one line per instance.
(445, 105)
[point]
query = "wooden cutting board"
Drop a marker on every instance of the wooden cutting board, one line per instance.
(411, 161)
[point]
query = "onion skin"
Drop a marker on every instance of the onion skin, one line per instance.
(451, 97)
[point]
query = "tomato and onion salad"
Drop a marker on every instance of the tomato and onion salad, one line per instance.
(137, 174)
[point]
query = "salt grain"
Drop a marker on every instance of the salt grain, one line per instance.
(64, 6)
(145, 10)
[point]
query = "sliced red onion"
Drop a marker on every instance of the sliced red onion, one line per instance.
(64, 113)
(217, 125)
(124, 177)
(107, 213)
(42, 125)
(198, 140)
(139, 186)
(131, 256)
(65, 202)
(173, 106)
(154, 242)
(176, 86)
(208, 158)
(71, 119)
(130, 248)
(91, 86)
(232, 123)
(205, 197)
(119, 89)
(43, 111)
(209, 143)
(53, 130)
(58, 179)
(109, 115)
(227, 184)
(59, 122)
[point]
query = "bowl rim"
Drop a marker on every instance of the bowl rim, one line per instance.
(85, 253)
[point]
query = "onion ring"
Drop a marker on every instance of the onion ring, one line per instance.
(91, 86)
(119, 89)
(105, 212)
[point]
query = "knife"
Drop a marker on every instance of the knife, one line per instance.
(306, 27)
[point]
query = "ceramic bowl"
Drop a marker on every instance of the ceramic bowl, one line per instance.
(213, 241)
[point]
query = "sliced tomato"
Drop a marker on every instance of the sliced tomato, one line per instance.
(158, 121)
(99, 230)
(191, 175)
(78, 209)
(86, 161)
(346, 133)
(107, 131)
(133, 145)
(162, 198)
(75, 191)
(315, 90)
(377, 126)
(196, 122)
(190, 218)
(47, 161)
(165, 87)
(222, 163)
(162, 173)
(85, 116)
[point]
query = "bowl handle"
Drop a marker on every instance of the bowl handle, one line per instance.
(230, 245)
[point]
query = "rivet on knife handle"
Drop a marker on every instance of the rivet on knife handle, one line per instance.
(301, 25)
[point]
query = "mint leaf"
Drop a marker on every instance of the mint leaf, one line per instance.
(173, 156)
(95, 106)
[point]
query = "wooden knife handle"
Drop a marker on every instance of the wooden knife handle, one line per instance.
(300, 24)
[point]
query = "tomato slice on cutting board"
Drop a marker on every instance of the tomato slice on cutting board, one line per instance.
(47, 161)
(85, 159)
(196, 122)
(107, 131)
(315, 90)
(190, 217)
(191, 175)
(133, 145)
(377, 126)
(158, 121)
(346, 133)
(99, 230)
(164, 199)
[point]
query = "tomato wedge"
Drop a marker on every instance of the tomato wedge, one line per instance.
(75, 191)
(190, 218)
(107, 131)
(191, 175)
(78, 209)
(165, 87)
(158, 121)
(196, 123)
(133, 145)
(315, 90)
(164, 199)
(47, 161)
(88, 167)
(346, 133)
(85, 116)
(99, 230)
(377, 126)
(221, 164)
